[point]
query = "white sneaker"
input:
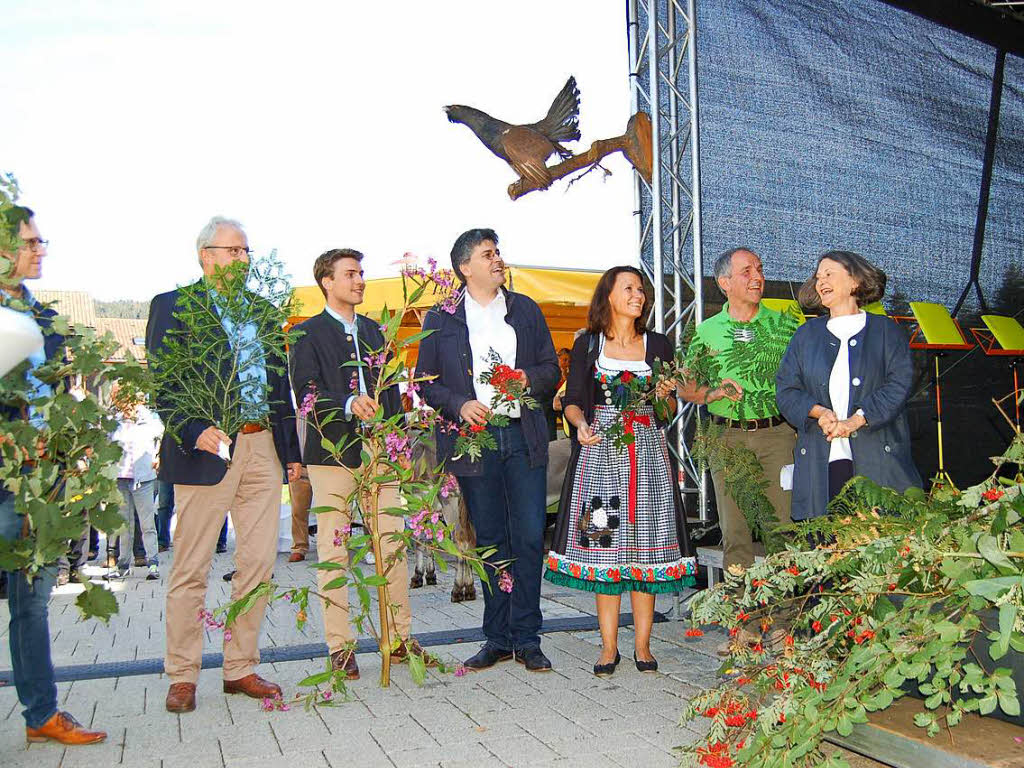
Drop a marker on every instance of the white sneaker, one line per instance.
(154, 573)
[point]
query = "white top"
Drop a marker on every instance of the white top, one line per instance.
(612, 366)
(843, 328)
(491, 341)
(139, 439)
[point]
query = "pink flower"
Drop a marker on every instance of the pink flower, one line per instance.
(339, 541)
(267, 705)
(227, 635)
(450, 486)
(327, 695)
(506, 582)
(308, 403)
(460, 670)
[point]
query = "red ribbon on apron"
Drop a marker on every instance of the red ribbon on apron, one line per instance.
(628, 419)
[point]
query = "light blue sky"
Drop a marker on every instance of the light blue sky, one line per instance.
(319, 125)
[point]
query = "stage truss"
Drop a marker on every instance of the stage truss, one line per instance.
(663, 80)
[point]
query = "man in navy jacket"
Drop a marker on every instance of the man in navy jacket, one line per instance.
(505, 490)
(205, 487)
(29, 630)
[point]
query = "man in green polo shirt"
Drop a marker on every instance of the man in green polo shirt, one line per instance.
(747, 341)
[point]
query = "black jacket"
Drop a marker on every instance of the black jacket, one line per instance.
(184, 464)
(53, 345)
(881, 374)
(317, 360)
(446, 354)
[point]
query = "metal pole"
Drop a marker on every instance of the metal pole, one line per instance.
(698, 249)
(657, 261)
(633, 35)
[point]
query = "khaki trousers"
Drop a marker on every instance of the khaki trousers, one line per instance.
(332, 487)
(774, 449)
(301, 495)
(251, 490)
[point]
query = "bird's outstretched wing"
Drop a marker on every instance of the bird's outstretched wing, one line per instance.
(527, 150)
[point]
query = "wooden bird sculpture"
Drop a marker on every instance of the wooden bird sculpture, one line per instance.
(527, 147)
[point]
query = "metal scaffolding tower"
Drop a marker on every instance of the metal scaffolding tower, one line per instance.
(663, 77)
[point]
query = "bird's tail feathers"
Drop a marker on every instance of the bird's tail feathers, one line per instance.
(562, 120)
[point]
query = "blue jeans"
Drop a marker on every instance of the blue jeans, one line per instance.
(29, 630)
(138, 506)
(164, 511)
(507, 508)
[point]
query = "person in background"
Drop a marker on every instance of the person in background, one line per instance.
(621, 526)
(28, 628)
(138, 433)
(300, 493)
(844, 383)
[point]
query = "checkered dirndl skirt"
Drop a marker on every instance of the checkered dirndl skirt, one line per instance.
(623, 528)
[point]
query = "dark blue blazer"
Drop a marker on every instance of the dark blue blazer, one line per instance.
(183, 464)
(446, 354)
(318, 360)
(881, 375)
(53, 345)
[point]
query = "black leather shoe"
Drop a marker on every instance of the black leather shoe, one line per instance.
(534, 659)
(486, 657)
(603, 670)
(645, 666)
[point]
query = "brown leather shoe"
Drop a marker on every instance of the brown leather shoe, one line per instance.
(345, 660)
(296, 557)
(411, 646)
(254, 686)
(181, 697)
(64, 728)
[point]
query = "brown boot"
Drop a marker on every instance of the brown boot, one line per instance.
(181, 697)
(296, 557)
(412, 647)
(345, 660)
(253, 686)
(64, 728)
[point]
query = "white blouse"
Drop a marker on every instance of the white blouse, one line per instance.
(613, 366)
(843, 328)
(491, 340)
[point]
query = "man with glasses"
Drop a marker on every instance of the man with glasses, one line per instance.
(506, 489)
(204, 487)
(29, 631)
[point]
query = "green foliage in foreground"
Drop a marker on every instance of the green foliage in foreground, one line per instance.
(903, 591)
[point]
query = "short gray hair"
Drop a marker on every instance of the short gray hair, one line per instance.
(464, 246)
(723, 264)
(208, 232)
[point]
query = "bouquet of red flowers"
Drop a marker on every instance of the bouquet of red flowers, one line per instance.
(509, 388)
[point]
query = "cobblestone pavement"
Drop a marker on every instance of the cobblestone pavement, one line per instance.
(504, 716)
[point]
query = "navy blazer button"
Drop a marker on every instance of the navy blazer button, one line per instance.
(803, 451)
(348, 338)
(353, 355)
(853, 342)
(855, 382)
(888, 449)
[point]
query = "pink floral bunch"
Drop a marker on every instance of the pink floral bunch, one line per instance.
(340, 534)
(443, 283)
(506, 582)
(276, 703)
(450, 486)
(209, 621)
(308, 403)
(426, 525)
(398, 446)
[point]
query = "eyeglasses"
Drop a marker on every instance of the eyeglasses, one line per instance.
(234, 250)
(35, 243)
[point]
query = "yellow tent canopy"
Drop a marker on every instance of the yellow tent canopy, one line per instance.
(563, 296)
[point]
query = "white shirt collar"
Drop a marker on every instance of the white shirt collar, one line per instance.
(349, 326)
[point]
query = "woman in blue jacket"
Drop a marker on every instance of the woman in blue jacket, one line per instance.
(843, 383)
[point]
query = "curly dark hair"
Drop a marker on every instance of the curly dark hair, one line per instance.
(599, 316)
(869, 278)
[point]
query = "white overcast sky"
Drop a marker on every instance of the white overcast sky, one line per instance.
(130, 122)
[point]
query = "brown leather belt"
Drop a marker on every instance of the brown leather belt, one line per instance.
(749, 425)
(251, 428)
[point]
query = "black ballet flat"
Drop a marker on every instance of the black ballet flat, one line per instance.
(645, 666)
(603, 670)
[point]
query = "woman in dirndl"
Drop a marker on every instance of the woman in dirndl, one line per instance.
(620, 524)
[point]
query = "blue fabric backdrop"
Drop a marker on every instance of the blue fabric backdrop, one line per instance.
(855, 125)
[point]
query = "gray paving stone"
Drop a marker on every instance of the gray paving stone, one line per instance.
(519, 752)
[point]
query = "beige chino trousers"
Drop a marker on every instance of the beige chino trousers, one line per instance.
(332, 487)
(774, 449)
(251, 490)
